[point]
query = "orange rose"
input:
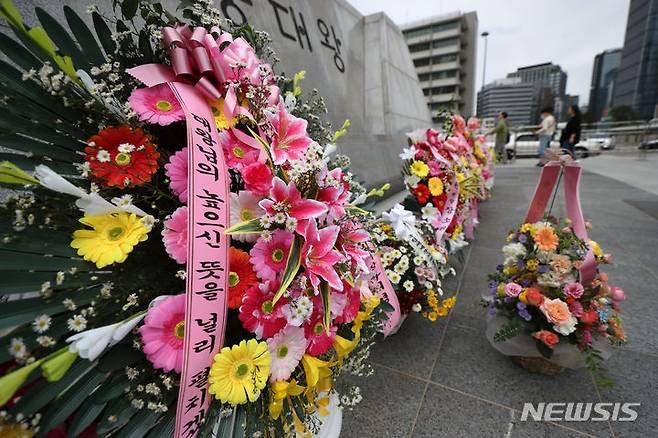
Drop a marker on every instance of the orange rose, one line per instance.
(556, 311)
(547, 337)
(534, 297)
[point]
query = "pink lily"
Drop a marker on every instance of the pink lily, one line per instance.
(335, 197)
(287, 199)
(319, 255)
(289, 139)
(350, 239)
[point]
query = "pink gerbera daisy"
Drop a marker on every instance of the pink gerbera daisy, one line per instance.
(258, 314)
(163, 332)
(174, 235)
(238, 154)
(286, 350)
(269, 257)
(156, 105)
(176, 170)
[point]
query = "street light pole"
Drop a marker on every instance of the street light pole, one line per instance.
(484, 34)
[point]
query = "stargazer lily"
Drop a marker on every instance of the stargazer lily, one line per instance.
(319, 255)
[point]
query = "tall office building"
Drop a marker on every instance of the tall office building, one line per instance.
(604, 74)
(443, 49)
(513, 96)
(637, 78)
(548, 75)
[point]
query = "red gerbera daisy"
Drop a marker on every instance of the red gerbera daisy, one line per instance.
(319, 341)
(121, 157)
(258, 314)
(240, 277)
(440, 201)
(422, 193)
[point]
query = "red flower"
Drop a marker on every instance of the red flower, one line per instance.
(440, 201)
(258, 314)
(422, 193)
(257, 178)
(319, 341)
(549, 338)
(121, 157)
(589, 317)
(534, 297)
(240, 277)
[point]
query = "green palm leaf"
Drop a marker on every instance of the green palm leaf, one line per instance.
(85, 38)
(61, 38)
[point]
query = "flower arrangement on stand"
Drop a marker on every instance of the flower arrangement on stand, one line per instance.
(414, 267)
(128, 294)
(447, 173)
(550, 306)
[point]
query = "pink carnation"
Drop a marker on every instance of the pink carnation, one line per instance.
(163, 333)
(257, 178)
(513, 289)
(576, 309)
(269, 257)
(176, 170)
(156, 105)
(574, 290)
(174, 235)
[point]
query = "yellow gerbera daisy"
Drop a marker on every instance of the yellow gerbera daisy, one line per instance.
(239, 373)
(420, 169)
(112, 238)
(436, 186)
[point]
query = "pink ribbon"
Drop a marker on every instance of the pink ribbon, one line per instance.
(195, 66)
(469, 229)
(442, 223)
(385, 290)
(547, 181)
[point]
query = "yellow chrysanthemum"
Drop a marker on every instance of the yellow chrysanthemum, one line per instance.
(112, 238)
(527, 228)
(239, 373)
(420, 169)
(436, 186)
(532, 264)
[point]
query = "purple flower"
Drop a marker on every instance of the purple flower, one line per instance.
(542, 269)
(520, 264)
(499, 267)
(523, 238)
(525, 315)
(526, 283)
(520, 305)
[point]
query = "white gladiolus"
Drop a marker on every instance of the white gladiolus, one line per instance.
(90, 203)
(91, 343)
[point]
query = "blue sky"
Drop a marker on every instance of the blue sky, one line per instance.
(524, 32)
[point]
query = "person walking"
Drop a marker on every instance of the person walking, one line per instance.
(545, 132)
(502, 137)
(571, 133)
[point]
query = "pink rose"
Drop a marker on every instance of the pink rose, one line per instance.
(574, 290)
(257, 178)
(513, 289)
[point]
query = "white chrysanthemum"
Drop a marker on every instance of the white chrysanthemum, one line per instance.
(408, 285)
(17, 347)
(41, 324)
(513, 251)
(393, 276)
(126, 148)
(103, 156)
(45, 341)
(244, 207)
(77, 323)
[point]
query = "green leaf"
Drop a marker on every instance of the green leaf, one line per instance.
(67, 402)
(18, 54)
(325, 290)
(252, 226)
(12, 174)
(42, 393)
(37, 148)
(123, 411)
(140, 424)
(86, 415)
(10, 13)
(292, 266)
(60, 36)
(129, 8)
(119, 357)
(104, 33)
(165, 426)
(12, 261)
(145, 47)
(545, 350)
(112, 388)
(84, 36)
(29, 163)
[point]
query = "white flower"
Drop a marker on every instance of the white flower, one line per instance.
(148, 221)
(551, 279)
(416, 307)
(418, 260)
(417, 136)
(290, 102)
(41, 323)
(69, 304)
(408, 153)
(103, 156)
(429, 213)
(513, 251)
(59, 279)
(126, 148)
(45, 341)
(91, 343)
(393, 276)
(568, 327)
(298, 310)
(411, 180)
(244, 207)
(123, 201)
(401, 220)
(131, 373)
(17, 347)
(106, 289)
(77, 324)
(408, 285)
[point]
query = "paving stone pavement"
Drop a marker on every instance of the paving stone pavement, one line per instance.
(443, 379)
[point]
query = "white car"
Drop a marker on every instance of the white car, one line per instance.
(526, 144)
